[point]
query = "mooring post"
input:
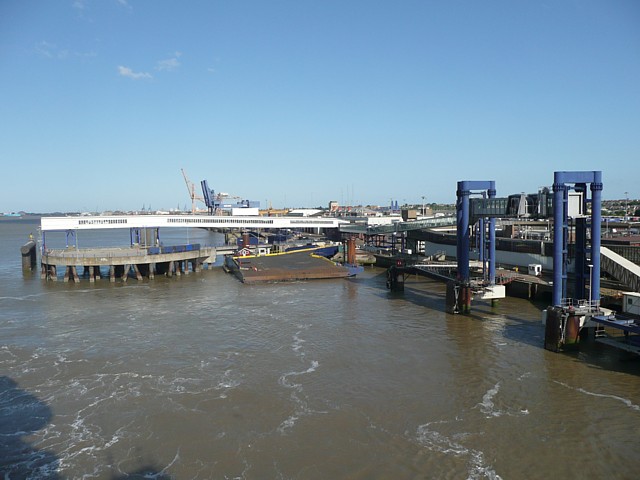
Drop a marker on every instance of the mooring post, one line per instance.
(452, 297)
(28, 251)
(395, 278)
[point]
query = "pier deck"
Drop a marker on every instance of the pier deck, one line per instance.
(120, 260)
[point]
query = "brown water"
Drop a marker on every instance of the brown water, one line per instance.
(204, 377)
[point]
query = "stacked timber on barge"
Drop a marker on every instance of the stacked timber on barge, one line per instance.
(120, 262)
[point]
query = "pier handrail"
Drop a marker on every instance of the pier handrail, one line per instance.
(97, 222)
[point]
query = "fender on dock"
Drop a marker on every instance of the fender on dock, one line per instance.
(458, 297)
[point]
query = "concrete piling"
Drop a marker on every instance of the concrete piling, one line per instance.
(28, 251)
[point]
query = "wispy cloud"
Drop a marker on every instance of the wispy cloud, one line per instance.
(170, 63)
(125, 4)
(50, 50)
(127, 72)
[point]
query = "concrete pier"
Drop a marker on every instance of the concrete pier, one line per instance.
(122, 262)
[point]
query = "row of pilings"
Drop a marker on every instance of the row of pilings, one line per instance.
(138, 271)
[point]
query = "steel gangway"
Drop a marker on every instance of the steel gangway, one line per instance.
(625, 271)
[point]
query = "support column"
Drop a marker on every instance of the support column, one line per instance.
(462, 247)
(596, 232)
(580, 248)
(482, 248)
(136, 270)
(125, 273)
(491, 192)
(76, 277)
(559, 243)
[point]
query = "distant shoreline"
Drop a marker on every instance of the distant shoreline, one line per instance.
(21, 218)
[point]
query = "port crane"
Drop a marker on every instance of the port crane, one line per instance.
(215, 201)
(192, 192)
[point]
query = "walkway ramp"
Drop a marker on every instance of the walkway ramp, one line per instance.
(625, 271)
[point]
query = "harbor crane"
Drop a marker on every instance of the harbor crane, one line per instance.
(192, 192)
(216, 202)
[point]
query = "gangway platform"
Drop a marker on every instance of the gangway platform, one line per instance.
(619, 332)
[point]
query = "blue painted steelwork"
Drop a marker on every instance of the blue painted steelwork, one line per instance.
(173, 249)
(465, 188)
(561, 234)
(207, 194)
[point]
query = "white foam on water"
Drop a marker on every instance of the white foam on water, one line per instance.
(298, 343)
(117, 436)
(477, 468)
(623, 400)
(288, 423)
(437, 442)
(26, 297)
(487, 406)
(301, 406)
(227, 382)
(284, 378)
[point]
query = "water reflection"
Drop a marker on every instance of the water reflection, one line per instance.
(21, 415)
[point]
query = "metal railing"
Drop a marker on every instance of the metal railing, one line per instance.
(579, 304)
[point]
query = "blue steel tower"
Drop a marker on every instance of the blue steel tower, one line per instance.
(561, 234)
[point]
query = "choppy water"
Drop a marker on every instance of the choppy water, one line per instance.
(204, 377)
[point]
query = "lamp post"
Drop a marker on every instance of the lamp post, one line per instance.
(626, 206)
(423, 209)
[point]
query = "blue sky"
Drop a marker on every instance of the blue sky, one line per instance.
(305, 101)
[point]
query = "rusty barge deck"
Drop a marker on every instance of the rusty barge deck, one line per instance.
(283, 267)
